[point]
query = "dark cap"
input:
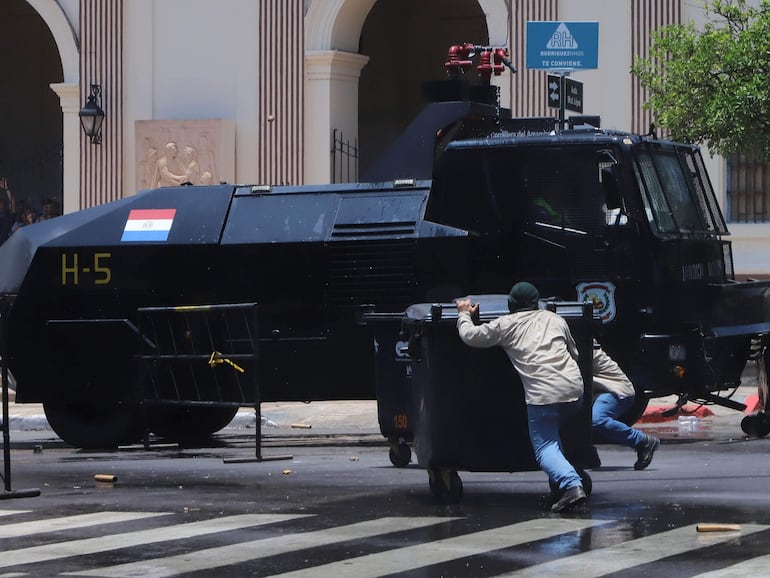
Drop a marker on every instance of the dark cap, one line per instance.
(523, 297)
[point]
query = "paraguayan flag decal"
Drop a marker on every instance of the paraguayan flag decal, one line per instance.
(148, 225)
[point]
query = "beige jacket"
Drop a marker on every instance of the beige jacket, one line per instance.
(540, 347)
(608, 377)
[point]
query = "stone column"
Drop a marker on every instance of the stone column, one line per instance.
(331, 102)
(69, 99)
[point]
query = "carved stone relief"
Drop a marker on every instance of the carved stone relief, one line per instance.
(170, 153)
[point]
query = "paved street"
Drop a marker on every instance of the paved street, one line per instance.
(335, 506)
(344, 510)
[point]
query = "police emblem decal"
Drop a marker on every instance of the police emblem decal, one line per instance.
(602, 295)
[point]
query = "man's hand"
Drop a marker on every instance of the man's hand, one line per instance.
(465, 305)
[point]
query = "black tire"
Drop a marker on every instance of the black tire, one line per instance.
(188, 423)
(757, 426)
(748, 425)
(764, 425)
(95, 426)
(445, 485)
(400, 454)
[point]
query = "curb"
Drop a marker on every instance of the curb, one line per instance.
(38, 422)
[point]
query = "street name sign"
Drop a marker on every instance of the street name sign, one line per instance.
(573, 94)
(562, 46)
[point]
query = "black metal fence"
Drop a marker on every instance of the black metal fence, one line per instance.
(344, 158)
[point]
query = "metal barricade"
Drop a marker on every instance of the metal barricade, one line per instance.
(8, 491)
(204, 356)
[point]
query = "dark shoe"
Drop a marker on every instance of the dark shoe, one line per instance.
(645, 453)
(571, 498)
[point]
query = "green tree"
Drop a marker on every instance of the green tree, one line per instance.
(713, 85)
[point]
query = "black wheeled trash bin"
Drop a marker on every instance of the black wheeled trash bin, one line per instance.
(470, 410)
(393, 377)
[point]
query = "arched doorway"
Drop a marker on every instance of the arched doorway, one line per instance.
(31, 144)
(333, 62)
(406, 43)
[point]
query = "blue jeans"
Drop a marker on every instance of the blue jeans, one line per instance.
(544, 422)
(606, 410)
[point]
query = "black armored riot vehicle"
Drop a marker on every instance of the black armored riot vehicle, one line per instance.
(169, 309)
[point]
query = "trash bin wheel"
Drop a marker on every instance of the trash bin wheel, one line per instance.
(445, 485)
(588, 485)
(400, 453)
(756, 425)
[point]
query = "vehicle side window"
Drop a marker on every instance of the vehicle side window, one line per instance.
(564, 190)
(505, 188)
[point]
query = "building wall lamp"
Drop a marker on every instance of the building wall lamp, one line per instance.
(92, 115)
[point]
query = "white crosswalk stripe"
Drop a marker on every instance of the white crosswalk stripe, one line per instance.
(455, 542)
(69, 548)
(13, 512)
(410, 557)
(256, 549)
(71, 522)
(632, 553)
(753, 567)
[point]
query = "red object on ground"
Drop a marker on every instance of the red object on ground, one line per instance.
(654, 414)
(752, 404)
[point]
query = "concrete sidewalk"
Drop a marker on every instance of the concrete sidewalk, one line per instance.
(348, 416)
(292, 418)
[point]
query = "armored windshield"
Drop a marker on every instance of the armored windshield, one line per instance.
(677, 194)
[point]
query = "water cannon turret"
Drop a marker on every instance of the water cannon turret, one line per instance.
(452, 100)
(492, 61)
(459, 60)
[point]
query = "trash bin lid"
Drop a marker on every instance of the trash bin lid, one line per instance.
(491, 306)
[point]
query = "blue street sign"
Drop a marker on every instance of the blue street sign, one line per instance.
(562, 46)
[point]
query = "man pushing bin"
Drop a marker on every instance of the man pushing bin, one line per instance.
(540, 346)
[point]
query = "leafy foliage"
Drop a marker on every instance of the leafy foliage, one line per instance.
(713, 85)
